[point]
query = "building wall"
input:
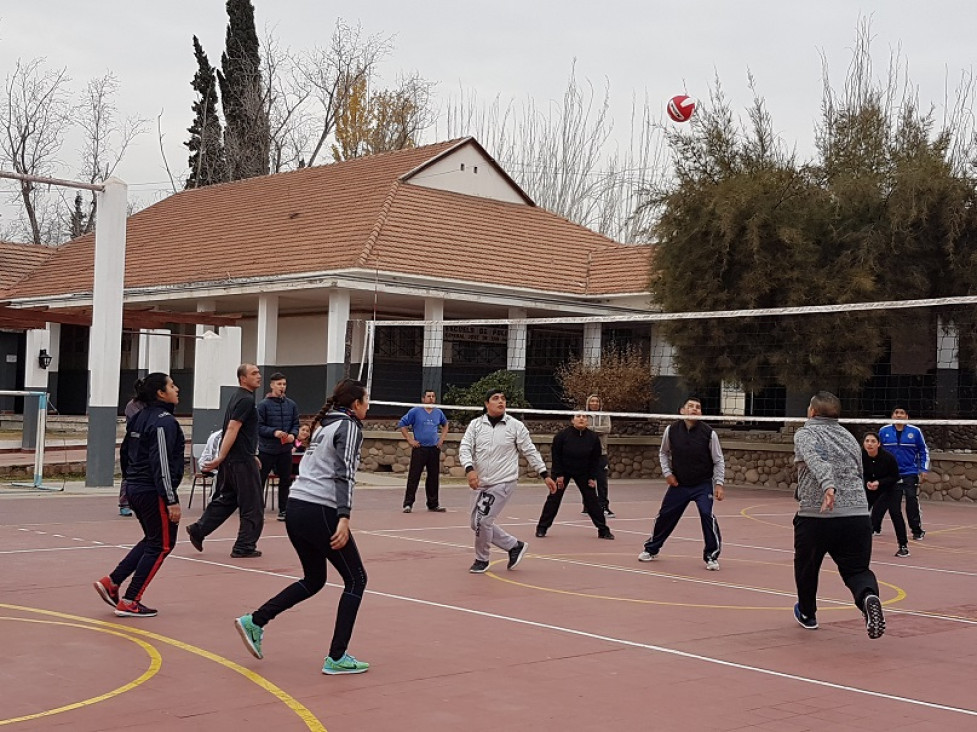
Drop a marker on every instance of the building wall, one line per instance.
(469, 172)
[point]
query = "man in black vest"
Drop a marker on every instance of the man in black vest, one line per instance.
(692, 463)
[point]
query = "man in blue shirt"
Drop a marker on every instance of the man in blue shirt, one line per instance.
(429, 427)
(906, 443)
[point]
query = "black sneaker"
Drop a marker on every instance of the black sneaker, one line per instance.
(607, 535)
(516, 554)
(196, 541)
(809, 623)
(407, 509)
(609, 513)
(903, 551)
(876, 532)
(540, 533)
(478, 566)
(874, 619)
(245, 554)
(919, 536)
(281, 515)
(438, 509)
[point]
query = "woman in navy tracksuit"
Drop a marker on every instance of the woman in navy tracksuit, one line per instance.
(151, 456)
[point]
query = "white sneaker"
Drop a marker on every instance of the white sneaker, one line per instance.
(712, 565)
(647, 557)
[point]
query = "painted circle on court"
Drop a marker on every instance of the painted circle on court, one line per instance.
(155, 663)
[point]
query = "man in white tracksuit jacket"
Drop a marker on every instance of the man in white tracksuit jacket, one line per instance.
(490, 453)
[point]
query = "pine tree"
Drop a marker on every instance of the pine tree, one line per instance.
(208, 164)
(247, 137)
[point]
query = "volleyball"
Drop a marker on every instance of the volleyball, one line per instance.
(681, 108)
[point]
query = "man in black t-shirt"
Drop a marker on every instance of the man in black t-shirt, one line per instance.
(238, 480)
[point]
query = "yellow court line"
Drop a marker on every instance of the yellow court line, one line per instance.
(291, 702)
(155, 663)
(744, 513)
(900, 593)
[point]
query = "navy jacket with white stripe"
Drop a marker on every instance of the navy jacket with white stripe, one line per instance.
(152, 452)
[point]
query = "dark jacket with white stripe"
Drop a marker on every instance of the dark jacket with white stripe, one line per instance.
(327, 473)
(152, 452)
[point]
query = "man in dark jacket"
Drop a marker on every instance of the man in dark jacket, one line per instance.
(576, 457)
(695, 470)
(278, 426)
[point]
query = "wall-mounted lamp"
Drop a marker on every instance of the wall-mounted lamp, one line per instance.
(44, 358)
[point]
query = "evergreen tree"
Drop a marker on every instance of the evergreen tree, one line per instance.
(208, 164)
(247, 136)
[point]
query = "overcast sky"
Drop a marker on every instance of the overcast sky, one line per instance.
(518, 49)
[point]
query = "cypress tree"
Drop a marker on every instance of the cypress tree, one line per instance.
(208, 164)
(247, 137)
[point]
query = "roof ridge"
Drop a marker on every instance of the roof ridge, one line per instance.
(378, 226)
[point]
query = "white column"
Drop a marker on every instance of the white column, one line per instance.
(208, 362)
(154, 351)
(336, 333)
(947, 345)
(662, 354)
(336, 338)
(433, 334)
(732, 399)
(35, 378)
(230, 353)
(516, 344)
(591, 344)
(105, 335)
(267, 347)
(54, 347)
(205, 306)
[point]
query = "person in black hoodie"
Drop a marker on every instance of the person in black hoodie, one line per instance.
(278, 426)
(576, 457)
(880, 472)
(151, 456)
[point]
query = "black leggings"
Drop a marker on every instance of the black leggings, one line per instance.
(310, 527)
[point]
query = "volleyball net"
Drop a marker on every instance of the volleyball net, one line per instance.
(752, 369)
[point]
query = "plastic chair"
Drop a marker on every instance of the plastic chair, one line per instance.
(204, 480)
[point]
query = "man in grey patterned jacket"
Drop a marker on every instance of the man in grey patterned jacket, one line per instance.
(833, 515)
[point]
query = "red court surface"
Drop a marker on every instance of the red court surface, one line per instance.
(579, 636)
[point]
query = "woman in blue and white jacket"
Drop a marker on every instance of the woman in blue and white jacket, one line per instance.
(317, 521)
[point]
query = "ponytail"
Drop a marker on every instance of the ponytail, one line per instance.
(346, 392)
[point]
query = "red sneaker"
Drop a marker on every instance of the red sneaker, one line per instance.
(133, 609)
(107, 591)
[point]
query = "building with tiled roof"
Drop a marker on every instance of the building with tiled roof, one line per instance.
(436, 232)
(19, 260)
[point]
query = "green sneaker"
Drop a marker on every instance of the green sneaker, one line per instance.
(345, 665)
(250, 634)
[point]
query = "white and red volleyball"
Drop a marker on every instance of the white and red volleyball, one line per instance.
(681, 108)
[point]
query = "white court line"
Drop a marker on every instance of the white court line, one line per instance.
(624, 642)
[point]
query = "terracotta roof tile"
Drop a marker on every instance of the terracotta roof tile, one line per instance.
(359, 213)
(19, 260)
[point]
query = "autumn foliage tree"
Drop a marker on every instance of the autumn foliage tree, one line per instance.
(623, 380)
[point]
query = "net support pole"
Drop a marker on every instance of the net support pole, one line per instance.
(432, 358)
(37, 482)
(105, 337)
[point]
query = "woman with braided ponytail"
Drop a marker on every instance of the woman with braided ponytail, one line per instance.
(317, 522)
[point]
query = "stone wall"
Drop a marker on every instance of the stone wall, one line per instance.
(748, 463)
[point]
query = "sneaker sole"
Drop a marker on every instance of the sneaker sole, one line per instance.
(344, 671)
(128, 614)
(478, 571)
(874, 618)
(247, 639)
(104, 594)
(522, 553)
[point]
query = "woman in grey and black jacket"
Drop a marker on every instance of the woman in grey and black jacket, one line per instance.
(317, 521)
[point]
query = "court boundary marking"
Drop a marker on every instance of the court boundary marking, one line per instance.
(623, 642)
(155, 664)
(305, 714)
